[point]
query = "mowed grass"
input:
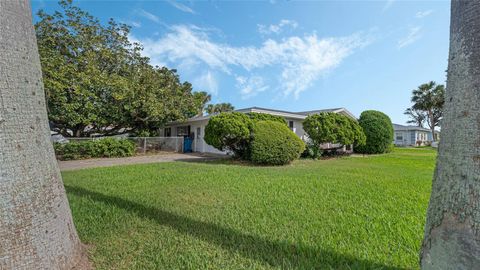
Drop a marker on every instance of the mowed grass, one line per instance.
(348, 213)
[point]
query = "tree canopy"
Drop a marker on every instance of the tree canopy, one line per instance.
(333, 128)
(97, 81)
(229, 131)
(219, 108)
(428, 100)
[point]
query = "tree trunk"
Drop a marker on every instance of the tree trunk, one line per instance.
(36, 228)
(452, 239)
(433, 133)
(432, 124)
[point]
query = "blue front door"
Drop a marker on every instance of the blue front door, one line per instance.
(187, 145)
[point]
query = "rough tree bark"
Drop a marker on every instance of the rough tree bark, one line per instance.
(36, 227)
(452, 231)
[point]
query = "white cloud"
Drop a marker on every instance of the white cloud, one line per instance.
(181, 6)
(413, 35)
(148, 15)
(206, 82)
(276, 28)
(135, 24)
(423, 14)
(388, 5)
(301, 60)
(251, 86)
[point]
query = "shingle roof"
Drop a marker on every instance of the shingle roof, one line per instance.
(402, 127)
(294, 115)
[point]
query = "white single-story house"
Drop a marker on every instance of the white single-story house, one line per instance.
(413, 135)
(195, 126)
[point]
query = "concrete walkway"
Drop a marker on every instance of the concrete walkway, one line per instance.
(162, 157)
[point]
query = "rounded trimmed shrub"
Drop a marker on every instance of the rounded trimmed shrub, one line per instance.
(266, 117)
(334, 128)
(274, 143)
(229, 131)
(378, 129)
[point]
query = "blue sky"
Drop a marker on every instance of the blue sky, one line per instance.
(292, 55)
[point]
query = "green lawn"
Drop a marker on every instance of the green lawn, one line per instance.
(348, 213)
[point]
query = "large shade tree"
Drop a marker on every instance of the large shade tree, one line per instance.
(36, 227)
(452, 230)
(97, 81)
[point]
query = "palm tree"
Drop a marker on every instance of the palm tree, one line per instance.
(452, 235)
(218, 108)
(36, 227)
(429, 98)
(417, 117)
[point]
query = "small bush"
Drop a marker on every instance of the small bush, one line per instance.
(311, 151)
(229, 131)
(107, 147)
(378, 129)
(274, 144)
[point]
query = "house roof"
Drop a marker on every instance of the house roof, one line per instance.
(286, 114)
(406, 128)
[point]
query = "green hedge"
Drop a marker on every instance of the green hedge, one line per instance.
(107, 147)
(274, 144)
(378, 129)
(255, 117)
(229, 131)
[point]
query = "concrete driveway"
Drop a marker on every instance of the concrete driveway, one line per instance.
(154, 158)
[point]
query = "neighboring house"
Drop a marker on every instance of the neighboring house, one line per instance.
(413, 135)
(195, 126)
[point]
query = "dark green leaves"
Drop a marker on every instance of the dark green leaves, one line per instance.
(97, 82)
(333, 128)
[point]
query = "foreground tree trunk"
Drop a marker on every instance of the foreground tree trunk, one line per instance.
(36, 228)
(452, 232)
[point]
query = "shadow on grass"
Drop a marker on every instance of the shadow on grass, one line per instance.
(280, 254)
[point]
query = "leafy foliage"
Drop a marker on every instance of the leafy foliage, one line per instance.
(428, 100)
(236, 132)
(274, 143)
(311, 151)
(332, 128)
(201, 99)
(219, 108)
(417, 117)
(378, 129)
(266, 117)
(96, 80)
(107, 147)
(229, 131)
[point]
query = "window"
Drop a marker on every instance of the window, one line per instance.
(290, 124)
(399, 136)
(198, 132)
(183, 131)
(167, 132)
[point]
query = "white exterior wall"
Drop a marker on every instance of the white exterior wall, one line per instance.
(199, 144)
(410, 137)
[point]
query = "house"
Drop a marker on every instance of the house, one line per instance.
(413, 135)
(195, 127)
